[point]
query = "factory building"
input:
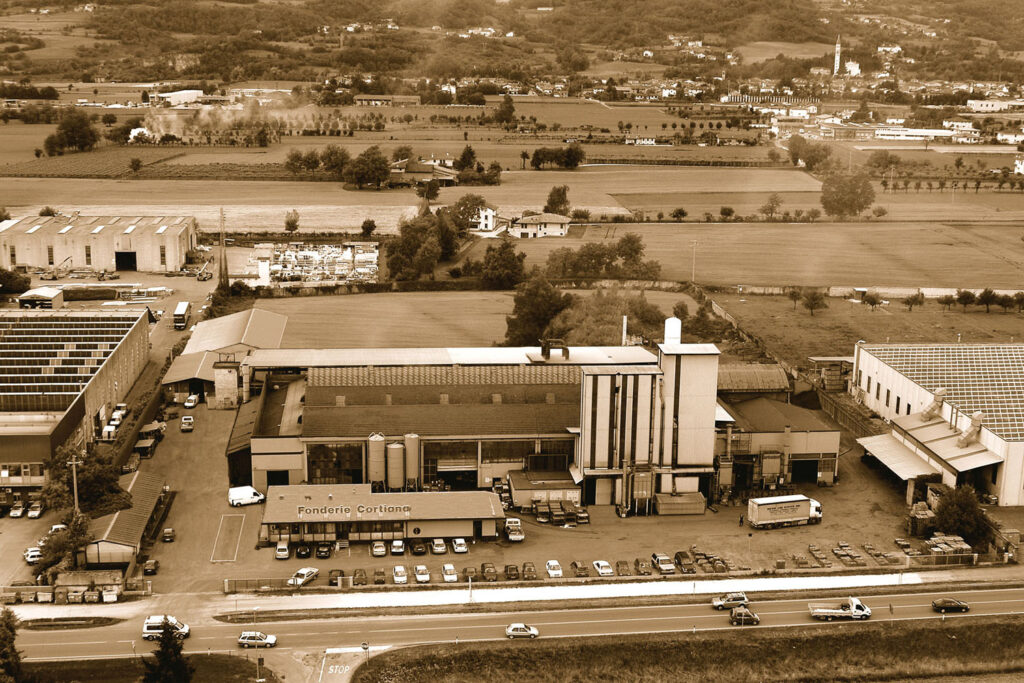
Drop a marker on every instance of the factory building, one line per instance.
(154, 244)
(956, 412)
(624, 425)
(61, 374)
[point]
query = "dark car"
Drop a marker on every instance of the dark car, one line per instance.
(529, 571)
(151, 567)
(359, 577)
(418, 547)
(469, 573)
(488, 571)
(511, 572)
(323, 551)
(742, 616)
(379, 576)
(683, 558)
(303, 550)
(335, 577)
(580, 569)
(944, 605)
(642, 567)
(622, 568)
(168, 536)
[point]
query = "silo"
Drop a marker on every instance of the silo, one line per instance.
(396, 466)
(375, 466)
(412, 457)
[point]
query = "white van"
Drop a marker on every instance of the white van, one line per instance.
(154, 626)
(244, 495)
(109, 433)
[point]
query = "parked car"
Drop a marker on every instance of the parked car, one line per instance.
(418, 547)
(944, 605)
(323, 551)
(151, 567)
(529, 571)
(303, 551)
(663, 563)
(398, 547)
(283, 551)
(470, 573)
(742, 616)
(399, 574)
(448, 573)
(603, 568)
(168, 535)
(18, 509)
(153, 627)
(642, 567)
(511, 572)
(422, 573)
(192, 401)
(35, 510)
(488, 572)
(553, 569)
(335, 577)
(580, 569)
(359, 577)
(256, 639)
(303, 576)
(459, 545)
(438, 546)
(622, 568)
(188, 423)
(378, 576)
(378, 549)
(33, 555)
(730, 600)
(521, 631)
(582, 516)
(683, 558)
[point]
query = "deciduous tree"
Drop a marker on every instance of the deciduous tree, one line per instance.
(535, 305)
(959, 513)
(846, 195)
(502, 266)
(913, 300)
(813, 300)
(291, 221)
(558, 200)
(168, 664)
(965, 298)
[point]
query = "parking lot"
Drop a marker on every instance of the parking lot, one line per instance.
(16, 534)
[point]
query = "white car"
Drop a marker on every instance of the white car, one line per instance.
(192, 401)
(459, 545)
(603, 568)
(521, 631)
(422, 573)
(438, 547)
(256, 639)
(18, 509)
(33, 555)
(378, 549)
(188, 423)
(35, 510)
(399, 574)
(398, 547)
(303, 576)
(554, 569)
(449, 574)
(57, 527)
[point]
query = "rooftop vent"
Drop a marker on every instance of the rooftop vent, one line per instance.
(935, 407)
(547, 344)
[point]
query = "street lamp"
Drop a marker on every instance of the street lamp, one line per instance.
(255, 610)
(693, 262)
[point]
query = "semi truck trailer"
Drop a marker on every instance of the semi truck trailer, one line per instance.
(850, 608)
(777, 511)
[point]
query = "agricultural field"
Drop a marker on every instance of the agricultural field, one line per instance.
(795, 334)
(50, 28)
(864, 254)
(18, 141)
(108, 162)
(763, 50)
(605, 69)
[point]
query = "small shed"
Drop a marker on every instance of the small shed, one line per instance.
(117, 538)
(527, 486)
(42, 297)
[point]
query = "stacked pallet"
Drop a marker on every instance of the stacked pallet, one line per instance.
(948, 549)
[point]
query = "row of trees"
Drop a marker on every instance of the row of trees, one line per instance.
(568, 157)
(620, 260)
(371, 167)
(986, 297)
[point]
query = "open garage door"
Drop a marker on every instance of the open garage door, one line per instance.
(125, 260)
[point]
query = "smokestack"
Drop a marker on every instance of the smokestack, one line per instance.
(673, 330)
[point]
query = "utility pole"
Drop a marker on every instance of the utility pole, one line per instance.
(75, 462)
(693, 262)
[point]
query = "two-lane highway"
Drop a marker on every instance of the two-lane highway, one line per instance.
(317, 634)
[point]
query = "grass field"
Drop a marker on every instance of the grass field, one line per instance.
(851, 652)
(834, 331)
(839, 254)
(762, 50)
(221, 668)
(18, 142)
(107, 162)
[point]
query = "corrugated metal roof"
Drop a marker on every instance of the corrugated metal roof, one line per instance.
(60, 224)
(752, 377)
(126, 527)
(526, 419)
(191, 366)
(985, 377)
(257, 328)
(446, 375)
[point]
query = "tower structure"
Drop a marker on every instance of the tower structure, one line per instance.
(838, 61)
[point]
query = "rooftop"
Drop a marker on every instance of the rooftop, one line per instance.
(68, 226)
(355, 503)
(434, 375)
(543, 218)
(188, 366)
(256, 328)
(126, 527)
(766, 415)
(749, 377)
(985, 377)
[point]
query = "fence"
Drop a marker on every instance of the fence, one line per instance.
(849, 416)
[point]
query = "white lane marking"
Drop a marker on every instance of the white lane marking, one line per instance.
(238, 540)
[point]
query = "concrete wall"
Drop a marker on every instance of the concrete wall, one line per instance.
(442, 528)
(114, 380)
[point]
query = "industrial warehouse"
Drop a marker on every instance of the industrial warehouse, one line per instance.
(61, 374)
(154, 244)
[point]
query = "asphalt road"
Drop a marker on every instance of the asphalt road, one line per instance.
(122, 640)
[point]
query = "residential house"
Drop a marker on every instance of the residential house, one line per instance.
(540, 225)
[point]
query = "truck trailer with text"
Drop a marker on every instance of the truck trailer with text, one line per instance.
(769, 513)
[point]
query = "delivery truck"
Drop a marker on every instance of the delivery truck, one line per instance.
(850, 608)
(769, 513)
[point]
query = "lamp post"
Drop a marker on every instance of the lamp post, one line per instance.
(693, 262)
(255, 611)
